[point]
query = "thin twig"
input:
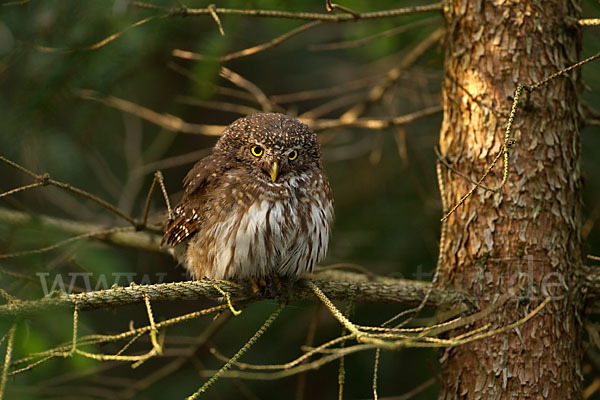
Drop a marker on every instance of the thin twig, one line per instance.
(447, 164)
(244, 83)
(375, 373)
(175, 365)
(7, 359)
(103, 42)
(323, 348)
(153, 330)
(378, 91)
(240, 352)
(46, 180)
(89, 235)
(158, 177)
(372, 341)
(297, 369)
(506, 145)
(310, 339)
(225, 91)
(365, 41)
(508, 141)
(213, 13)
(175, 161)
(176, 124)
(185, 12)
(342, 366)
(22, 189)
(188, 55)
(217, 105)
(331, 91)
(589, 21)
(413, 392)
(562, 72)
(330, 106)
(15, 3)
(329, 6)
(99, 339)
(123, 236)
(166, 121)
(372, 124)
(227, 296)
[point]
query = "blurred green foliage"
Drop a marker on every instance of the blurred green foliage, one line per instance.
(387, 207)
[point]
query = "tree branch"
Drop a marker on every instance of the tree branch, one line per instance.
(176, 124)
(139, 240)
(166, 121)
(373, 124)
(336, 285)
(346, 17)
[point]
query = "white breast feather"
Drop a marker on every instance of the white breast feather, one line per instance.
(250, 235)
(292, 254)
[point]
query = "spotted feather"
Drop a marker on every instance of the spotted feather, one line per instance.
(259, 205)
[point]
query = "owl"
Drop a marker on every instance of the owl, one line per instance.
(258, 208)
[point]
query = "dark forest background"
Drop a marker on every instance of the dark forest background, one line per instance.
(386, 196)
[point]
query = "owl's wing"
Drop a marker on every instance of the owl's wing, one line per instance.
(186, 218)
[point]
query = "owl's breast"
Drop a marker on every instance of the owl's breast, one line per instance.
(287, 235)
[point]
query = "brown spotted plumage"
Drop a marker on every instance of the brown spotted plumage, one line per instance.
(259, 206)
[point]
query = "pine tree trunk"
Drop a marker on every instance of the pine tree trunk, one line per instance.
(525, 238)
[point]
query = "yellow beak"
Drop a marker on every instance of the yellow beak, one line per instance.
(274, 171)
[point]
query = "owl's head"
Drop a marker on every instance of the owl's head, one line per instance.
(274, 146)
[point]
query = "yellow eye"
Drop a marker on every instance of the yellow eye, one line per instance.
(293, 155)
(256, 151)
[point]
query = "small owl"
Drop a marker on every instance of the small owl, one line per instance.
(259, 207)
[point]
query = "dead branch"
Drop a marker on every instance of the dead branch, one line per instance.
(376, 93)
(331, 91)
(225, 91)
(166, 121)
(176, 124)
(373, 38)
(138, 240)
(216, 105)
(188, 55)
(177, 364)
(373, 124)
(346, 17)
(46, 180)
(250, 87)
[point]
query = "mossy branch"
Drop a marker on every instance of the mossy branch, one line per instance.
(335, 284)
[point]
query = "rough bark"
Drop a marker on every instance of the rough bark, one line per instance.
(525, 238)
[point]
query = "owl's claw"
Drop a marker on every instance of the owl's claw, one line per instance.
(254, 287)
(268, 287)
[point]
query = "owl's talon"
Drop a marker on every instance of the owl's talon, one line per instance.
(264, 289)
(255, 290)
(268, 287)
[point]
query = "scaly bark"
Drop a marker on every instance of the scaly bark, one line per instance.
(525, 238)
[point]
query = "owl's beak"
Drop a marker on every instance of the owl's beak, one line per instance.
(274, 171)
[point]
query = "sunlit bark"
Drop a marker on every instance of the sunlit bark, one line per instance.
(525, 238)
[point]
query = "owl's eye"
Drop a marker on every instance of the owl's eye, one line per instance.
(293, 155)
(256, 151)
